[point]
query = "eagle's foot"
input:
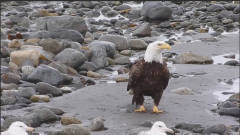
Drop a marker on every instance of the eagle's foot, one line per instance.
(156, 110)
(141, 109)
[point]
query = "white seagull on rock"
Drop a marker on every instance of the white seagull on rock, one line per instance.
(17, 128)
(158, 128)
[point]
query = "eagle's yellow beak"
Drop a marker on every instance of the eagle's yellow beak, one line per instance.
(30, 129)
(165, 46)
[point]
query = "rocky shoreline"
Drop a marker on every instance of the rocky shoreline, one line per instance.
(51, 49)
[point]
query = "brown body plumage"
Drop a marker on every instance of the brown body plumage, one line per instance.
(148, 79)
(149, 76)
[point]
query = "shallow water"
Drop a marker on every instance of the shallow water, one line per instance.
(227, 88)
(220, 59)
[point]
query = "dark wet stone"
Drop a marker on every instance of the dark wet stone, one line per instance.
(215, 8)
(143, 30)
(147, 124)
(233, 111)
(217, 129)
(26, 92)
(44, 73)
(156, 10)
(45, 88)
(53, 23)
(232, 63)
(10, 78)
(88, 66)
(39, 116)
(196, 128)
(71, 57)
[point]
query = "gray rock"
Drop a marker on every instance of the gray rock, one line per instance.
(196, 128)
(88, 66)
(89, 4)
(8, 86)
(57, 111)
(26, 92)
(8, 97)
(215, 8)
(236, 10)
(51, 45)
(230, 6)
(40, 116)
(59, 66)
(9, 120)
(112, 13)
(233, 111)
(68, 34)
(20, 21)
(137, 44)
(75, 129)
(134, 14)
(227, 104)
(155, 10)
(120, 41)
(105, 9)
(44, 73)
(45, 88)
(143, 30)
(71, 57)
(232, 63)
(122, 7)
(52, 23)
(217, 129)
(122, 60)
(97, 124)
(190, 58)
(10, 78)
(39, 34)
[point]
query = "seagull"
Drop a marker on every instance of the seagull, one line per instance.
(158, 128)
(17, 128)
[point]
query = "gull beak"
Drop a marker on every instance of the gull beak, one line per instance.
(169, 130)
(165, 46)
(30, 129)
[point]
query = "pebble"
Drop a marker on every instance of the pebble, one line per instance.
(65, 120)
(40, 98)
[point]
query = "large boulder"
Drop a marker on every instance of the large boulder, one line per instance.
(71, 57)
(72, 35)
(45, 88)
(52, 23)
(120, 41)
(143, 30)
(215, 8)
(190, 58)
(51, 45)
(137, 44)
(100, 51)
(156, 10)
(44, 73)
(75, 129)
(40, 116)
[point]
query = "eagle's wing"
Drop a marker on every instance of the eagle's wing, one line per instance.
(135, 73)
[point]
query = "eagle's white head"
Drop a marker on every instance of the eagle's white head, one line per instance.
(154, 51)
(19, 128)
(160, 128)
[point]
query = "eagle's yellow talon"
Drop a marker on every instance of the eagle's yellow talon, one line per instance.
(141, 109)
(156, 110)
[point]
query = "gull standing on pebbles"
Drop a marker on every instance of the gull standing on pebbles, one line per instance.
(158, 128)
(17, 128)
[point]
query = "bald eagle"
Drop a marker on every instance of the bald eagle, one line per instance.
(149, 76)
